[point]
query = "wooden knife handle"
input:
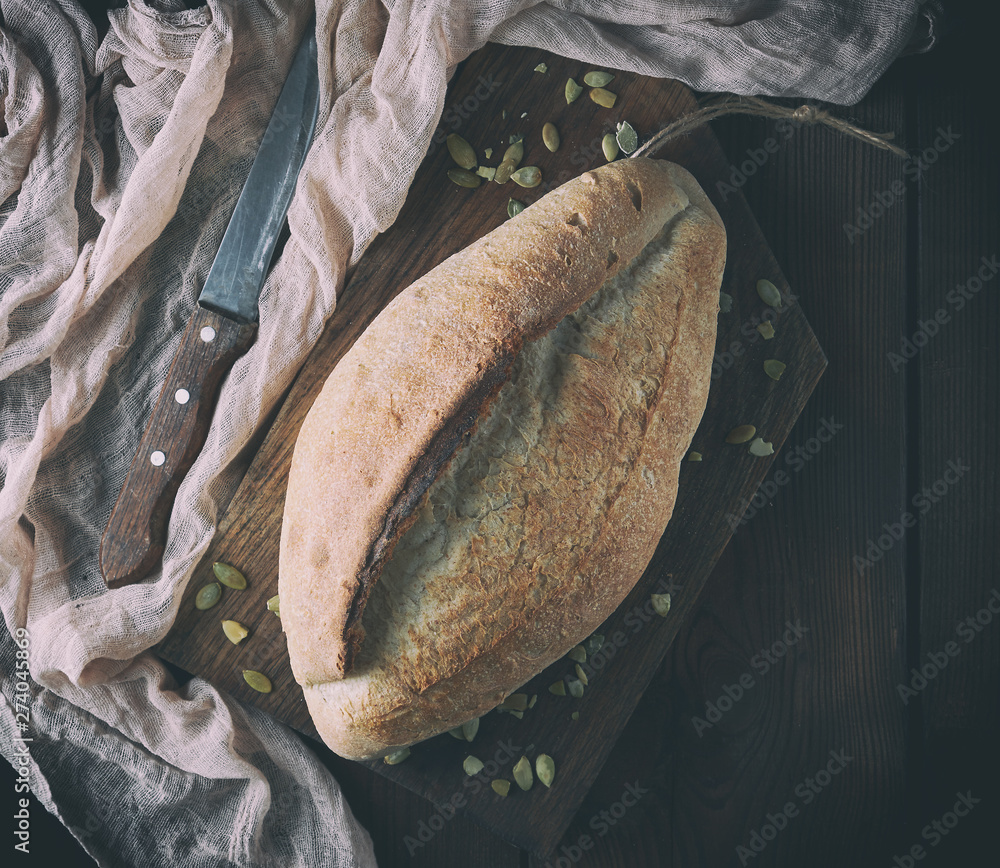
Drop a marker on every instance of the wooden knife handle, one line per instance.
(133, 541)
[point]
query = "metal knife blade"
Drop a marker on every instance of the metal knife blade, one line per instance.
(221, 329)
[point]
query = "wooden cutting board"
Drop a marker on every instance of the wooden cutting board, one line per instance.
(495, 94)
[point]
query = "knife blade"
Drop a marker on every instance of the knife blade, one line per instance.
(221, 329)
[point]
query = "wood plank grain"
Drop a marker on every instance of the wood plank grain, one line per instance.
(437, 220)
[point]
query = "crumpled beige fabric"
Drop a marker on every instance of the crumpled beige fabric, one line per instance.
(120, 162)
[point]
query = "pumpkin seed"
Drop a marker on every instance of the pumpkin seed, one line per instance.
(527, 176)
(766, 330)
(573, 90)
(533, 700)
(208, 596)
(464, 178)
(661, 604)
(558, 688)
(273, 606)
(470, 728)
(597, 78)
(761, 447)
(768, 293)
(594, 644)
(725, 302)
(515, 151)
(550, 137)
(582, 675)
(575, 686)
(694, 456)
(542, 68)
(609, 144)
(515, 713)
(504, 171)
(456, 732)
(486, 172)
(515, 702)
(488, 153)
(522, 774)
(545, 768)
(396, 757)
(579, 654)
(472, 765)
(741, 434)
(774, 369)
(229, 576)
(500, 786)
(257, 680)
(235, 631)
(461, 151)
(603, 97)
(575, 715)
(628, 139)
(514, 208)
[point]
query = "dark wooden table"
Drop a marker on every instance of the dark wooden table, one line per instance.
(835, 697)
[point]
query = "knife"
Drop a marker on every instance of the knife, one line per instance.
(221, 329)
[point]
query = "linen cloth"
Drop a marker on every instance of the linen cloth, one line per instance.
(120, 161)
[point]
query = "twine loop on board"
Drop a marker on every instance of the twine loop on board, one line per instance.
(749, 105)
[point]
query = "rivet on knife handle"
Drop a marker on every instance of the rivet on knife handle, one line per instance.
(133, 541)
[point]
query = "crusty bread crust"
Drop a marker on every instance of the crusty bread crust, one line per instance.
(508, 553)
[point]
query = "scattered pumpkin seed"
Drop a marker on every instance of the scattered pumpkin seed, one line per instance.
(461, 151)
(725, 302)
(573, 90)
(487, 172)
(229, 576)
(504, 171)
(741, 434)
(515, 151)
(603, 97)
(628, 139)
(515, 702)
(594, 644)
(522, 774)
(597, 78)
(501, 786)
(545, 768)
(235, 631)
(575, 715)
(661, 604)
(774, 369)
(208, 596)
(694, 456)
(514, 208)
(488, 153)
(533, 700)
(396, 757)
(542, 68)
(470, 728)
(558, 688)
(515, 713)
(766, 330)
(609, 144)
(464, 178)
(527, 176)
(761, 447)
(575, 686)
(579, 654)
(273, 605)
(257, 680)
(472, 765)
(456, 732)
(550, 137)
(769, 294)
(581, 675)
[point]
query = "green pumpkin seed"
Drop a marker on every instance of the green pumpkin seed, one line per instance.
(229, 576)
(741, 434)
(456, 732)
(515, 152)
(514, 208)
(515, 702)
(464, 178)
(527, 176)
(609, 144)
(573, 90)
(558, 688)
(725, 302)
(575, 686)
(522, 774)
(515, 713)
(594, 644)
(761, 447)
(533, 700)
(581, 675)
(397, 757)
(486, 172)
(694, 456)
(768, 293)
(461, 151)
(550, 137)
(766, 330)
(579, 654)
(661, 604)
(208, 596)
(628, 139)
(257, 680)
(542, 68)
(504, 171)
(500, 786)
(488, 153)
(545, 768)
(472, 765)
(575, 715)
(774, 369)
(273, 605)
(470, 728)
(235, 631)
(597, 78)
(603, 97)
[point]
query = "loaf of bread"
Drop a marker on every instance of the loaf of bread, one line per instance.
(488, 470)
